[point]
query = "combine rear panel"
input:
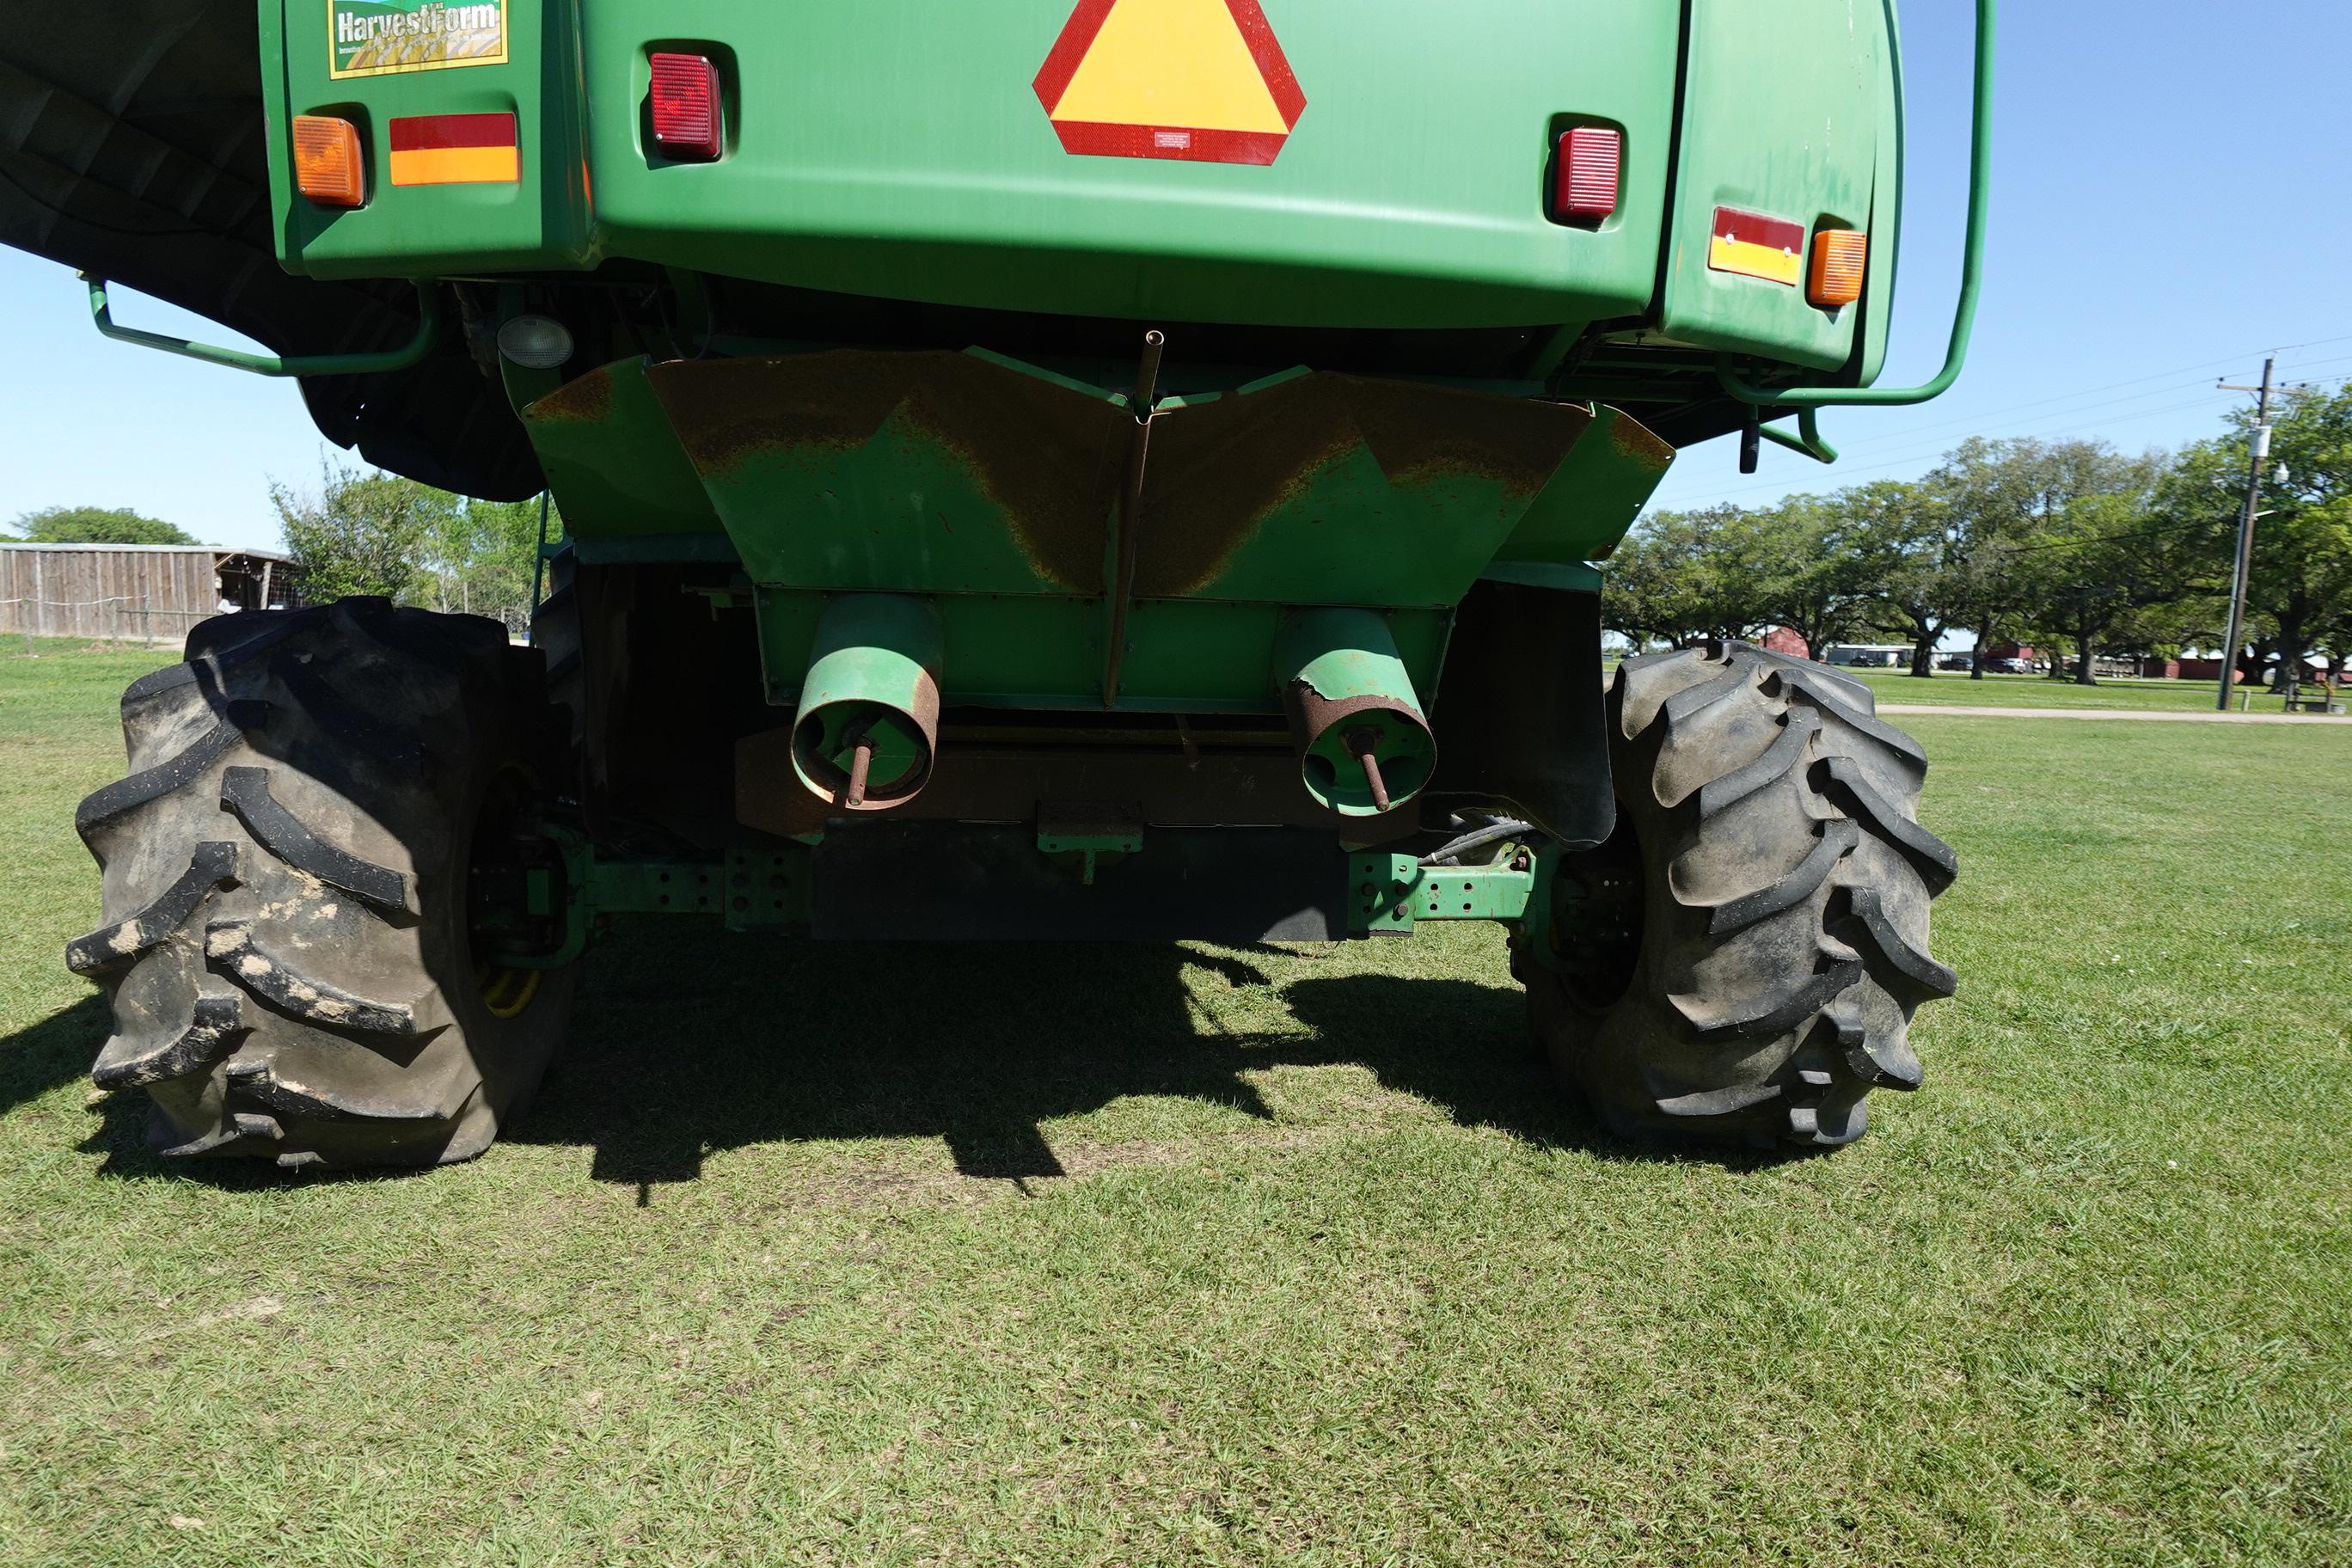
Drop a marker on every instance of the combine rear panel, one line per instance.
(1046, 469)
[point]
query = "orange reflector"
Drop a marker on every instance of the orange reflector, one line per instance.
(1839, 255)
(327, 164)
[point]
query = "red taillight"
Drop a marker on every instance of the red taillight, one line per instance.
(1591, 162)
(686, 107)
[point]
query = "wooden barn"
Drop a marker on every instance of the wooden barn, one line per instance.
(134, 593)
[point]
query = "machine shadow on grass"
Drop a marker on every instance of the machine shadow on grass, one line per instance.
(682, 1046)
(686, 1043)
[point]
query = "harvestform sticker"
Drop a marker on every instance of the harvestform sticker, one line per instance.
(1202, 80)
(377, 38)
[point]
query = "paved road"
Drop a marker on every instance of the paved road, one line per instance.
(2310, 720)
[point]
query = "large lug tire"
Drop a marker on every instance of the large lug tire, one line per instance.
(287, 874)
(1783, 882)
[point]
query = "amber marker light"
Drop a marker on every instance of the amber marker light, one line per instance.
(1840, 256)
(328, 169)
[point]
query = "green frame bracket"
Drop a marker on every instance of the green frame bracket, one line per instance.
(1964, 317)
(1392, 893)
(653, 887)
(767, 885)
(1808, 438)
(428, 327)
(757, 887)
(1086, 841)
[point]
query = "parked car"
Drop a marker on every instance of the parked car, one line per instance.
(2008, 666)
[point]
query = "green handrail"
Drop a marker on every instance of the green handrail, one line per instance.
(428, 326)
(1808, 438)
(1964, 320)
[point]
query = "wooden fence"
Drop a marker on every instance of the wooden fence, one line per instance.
(115, 594)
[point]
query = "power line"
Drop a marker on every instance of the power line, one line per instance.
(2166, 375)
(1907, 436)
(1904, 460)
(2171, 376)
(1914, 450)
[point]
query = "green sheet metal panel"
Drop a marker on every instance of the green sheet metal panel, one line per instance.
(541, 220)
(898, 148)
(609, 453)
(1783, 111)
(969, 473)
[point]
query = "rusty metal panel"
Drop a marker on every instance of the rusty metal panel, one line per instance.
(967, 473)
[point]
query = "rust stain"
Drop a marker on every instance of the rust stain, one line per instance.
(1047, 458)
(728, 411)
(1220, 470)
(1042, 455)
(1636, 443)
(587, 398)
(1048, 461)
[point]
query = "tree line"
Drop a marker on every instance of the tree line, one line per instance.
(361, 531)
(2070, 546)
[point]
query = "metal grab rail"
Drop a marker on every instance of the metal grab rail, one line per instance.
(428, 326)
(1964, 319)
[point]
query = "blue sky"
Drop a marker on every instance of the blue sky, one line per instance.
(2170, 202)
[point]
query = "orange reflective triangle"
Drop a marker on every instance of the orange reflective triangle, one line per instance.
(1203, 80)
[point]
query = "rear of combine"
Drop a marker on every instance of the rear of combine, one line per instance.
(1137, 471)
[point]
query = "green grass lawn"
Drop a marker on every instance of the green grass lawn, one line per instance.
(1949, 688)
(1953, 688)
(1152, 1254)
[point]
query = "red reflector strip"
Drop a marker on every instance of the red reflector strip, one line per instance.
(1755, 246)
(454, 149)
(1590, 162)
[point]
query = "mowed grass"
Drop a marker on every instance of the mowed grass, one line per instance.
(1948, 688)
(1155, 1255)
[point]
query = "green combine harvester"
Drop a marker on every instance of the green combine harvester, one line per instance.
(1036, 469)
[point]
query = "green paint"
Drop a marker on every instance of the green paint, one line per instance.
(1412, 191)
(639, 885)
(543, 222)
(1787, 110)
(1350, 656)
(1594, 497)
(1395, 892)
(1964, 314)
(608, 450)
(873, 679)
(428, 327)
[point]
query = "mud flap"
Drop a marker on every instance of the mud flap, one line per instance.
(1519, 718)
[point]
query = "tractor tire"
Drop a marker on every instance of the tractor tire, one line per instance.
(1771, 944)
(288, 876)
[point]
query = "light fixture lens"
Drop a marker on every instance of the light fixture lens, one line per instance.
(535, 342)
(1840, 256)
(1591, 166)
(686, 107)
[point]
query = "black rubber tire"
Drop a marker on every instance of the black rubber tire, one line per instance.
(1784, 886)
(285, 874)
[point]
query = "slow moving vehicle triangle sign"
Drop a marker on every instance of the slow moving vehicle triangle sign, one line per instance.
(1202, 80)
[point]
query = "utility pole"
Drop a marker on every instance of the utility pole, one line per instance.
(2262, 451)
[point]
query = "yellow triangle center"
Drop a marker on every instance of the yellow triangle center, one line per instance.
(1171, 62)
